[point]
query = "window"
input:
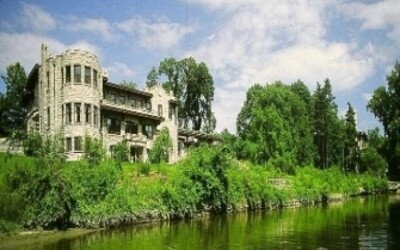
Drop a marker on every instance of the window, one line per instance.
(148, 105)
(69, 144)
(122, 99)
(77, 73)
(131, 128)
(95, 115)
(133, 102)
(78, 143)
(95, 77)
(88, 113)
(159, 110)
(87, 74)
(62, 114)
(68, 112)
(113, 98)
(139, 104)
(68, 73)
(77, 112)
(148, 131)
(48, 117)
(62, 76)
(113, 126)
(48, 81)
(179, 148)
(170, 111)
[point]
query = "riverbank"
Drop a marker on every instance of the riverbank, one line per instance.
(81, 195)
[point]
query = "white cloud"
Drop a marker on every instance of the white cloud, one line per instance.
(376, 16)
(366, 96)
(276, 40)
(162, 34)
(100, 26)
(14, 48)
(120, 71)
(36, 18)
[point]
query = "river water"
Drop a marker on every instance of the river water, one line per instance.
(360, 223)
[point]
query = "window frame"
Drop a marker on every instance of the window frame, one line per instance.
(78, 111)
(87, 74)
(78, 144)
(88, 113)
(77, 73)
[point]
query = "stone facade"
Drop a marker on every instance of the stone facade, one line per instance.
(69, 94)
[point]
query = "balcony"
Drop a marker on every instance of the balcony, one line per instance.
(129, 110)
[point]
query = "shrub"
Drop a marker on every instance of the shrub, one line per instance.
(161, 148)
(121, 152)
(93, 150)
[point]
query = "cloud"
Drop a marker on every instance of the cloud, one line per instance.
(276, 40)
(161, 34)
(14, 47)
(100, 26)
(366, 96)
(36, 19)
(120, 71)
(376, 16)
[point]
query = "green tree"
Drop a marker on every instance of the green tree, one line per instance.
(152, 77)
(193, 85)
(128, 84)
(324, 121)
(375, 139)
(162, 147)
(351, 153)
(120, 153)
(385, 105)
(12, 111)
(93, 151)
(273, 123)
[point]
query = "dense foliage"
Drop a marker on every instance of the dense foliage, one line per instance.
(193, 85)
(162, 147)
(12, 112)
(385, 105)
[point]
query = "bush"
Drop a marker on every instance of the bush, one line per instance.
(121, 152)
(93, 150)
(161, 148)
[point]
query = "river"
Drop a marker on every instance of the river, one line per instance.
(360, 223)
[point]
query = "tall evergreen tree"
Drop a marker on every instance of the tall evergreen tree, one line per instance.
(351, 152)
(325, 119)
(12, 112)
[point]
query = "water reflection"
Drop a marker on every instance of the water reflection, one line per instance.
(362, 223)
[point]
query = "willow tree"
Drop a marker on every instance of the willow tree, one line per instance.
(193, 85)
(273, 123)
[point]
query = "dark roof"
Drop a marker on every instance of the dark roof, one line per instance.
(128, 89)
(30, 84)
(131, 112)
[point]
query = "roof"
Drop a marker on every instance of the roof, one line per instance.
(30, 83)
(131, 112)
(198, 134)
(128, 89)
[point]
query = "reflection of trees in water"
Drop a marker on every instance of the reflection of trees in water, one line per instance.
(356, 223)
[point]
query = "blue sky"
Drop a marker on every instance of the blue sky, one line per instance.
(353, 43)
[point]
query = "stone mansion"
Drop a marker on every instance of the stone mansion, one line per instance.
(69, 94)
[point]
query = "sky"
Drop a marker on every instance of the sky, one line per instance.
(353, 43)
